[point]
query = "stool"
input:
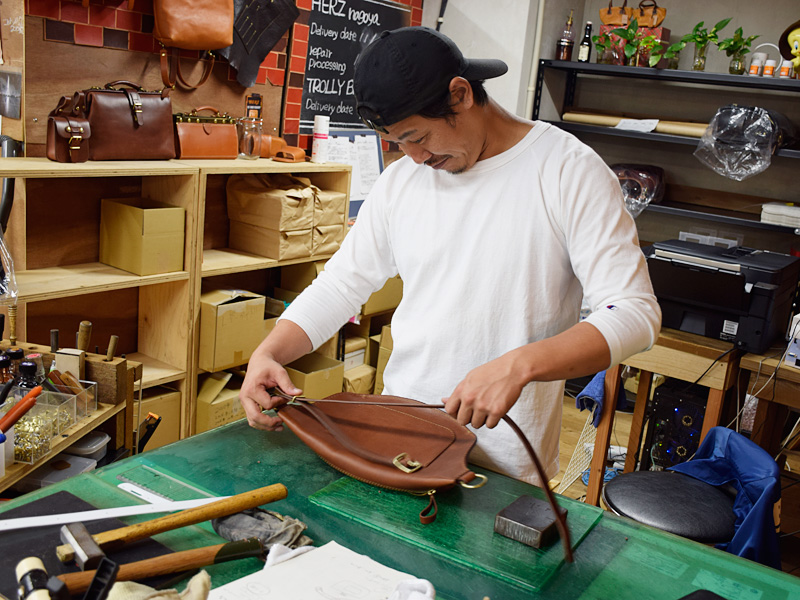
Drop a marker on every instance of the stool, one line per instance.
(675, 503)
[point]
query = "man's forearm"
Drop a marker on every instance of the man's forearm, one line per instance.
(578, 351)
(285, 343)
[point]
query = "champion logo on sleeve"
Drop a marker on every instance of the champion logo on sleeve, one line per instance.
(611, 307)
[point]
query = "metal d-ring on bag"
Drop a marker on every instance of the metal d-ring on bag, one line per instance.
(388, 442)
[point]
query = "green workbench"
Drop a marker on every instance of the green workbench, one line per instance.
(459, 553)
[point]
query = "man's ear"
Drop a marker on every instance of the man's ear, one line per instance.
(460, 94)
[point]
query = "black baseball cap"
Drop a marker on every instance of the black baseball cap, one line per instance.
(406, 69)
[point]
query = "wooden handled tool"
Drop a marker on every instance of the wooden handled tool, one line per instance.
(112, 347)
(171, 563)
(84, 335)
(118, 537)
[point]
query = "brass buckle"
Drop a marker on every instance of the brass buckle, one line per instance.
(137, 106)
(73, 139)
(412, 465)
(471, 486)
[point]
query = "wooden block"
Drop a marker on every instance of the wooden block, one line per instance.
(71, 360)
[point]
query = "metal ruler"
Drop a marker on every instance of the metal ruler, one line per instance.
(103, 513)
(162, 485)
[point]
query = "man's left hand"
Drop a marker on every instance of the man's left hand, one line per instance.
(486, 394)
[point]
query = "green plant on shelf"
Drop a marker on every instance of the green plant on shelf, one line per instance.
(638, 46)
(702, 37)
(736, 47)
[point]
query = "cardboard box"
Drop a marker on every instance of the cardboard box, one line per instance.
(326, 239)
(166, 403)
(355, 351)
(218, 401)
(360, 380)
(252, 200)
(231, 327)
(329, 207)
(296, 278)
(384, 352)
(141, 236)
(385, 299)
(318, 376)
(270, 243)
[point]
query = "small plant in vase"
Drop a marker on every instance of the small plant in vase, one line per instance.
(701, 37)
(736, 47)
(604, 49)
(638, 48)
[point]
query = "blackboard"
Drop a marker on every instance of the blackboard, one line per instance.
(338, 31)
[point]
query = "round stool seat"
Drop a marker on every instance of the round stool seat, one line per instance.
(673, 502)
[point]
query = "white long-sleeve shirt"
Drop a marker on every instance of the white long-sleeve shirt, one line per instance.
(492, 259)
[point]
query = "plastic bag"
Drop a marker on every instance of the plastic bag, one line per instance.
(8, 282)
(641, 185)
(740, 140)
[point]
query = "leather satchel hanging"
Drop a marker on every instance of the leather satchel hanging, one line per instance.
(616, 15)
(205, 136)
(190, 25)
(649, 14)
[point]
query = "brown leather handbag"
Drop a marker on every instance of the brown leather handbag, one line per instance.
(616, 15)
(127, 122)
(205, 136)
(67, 138)
(388, 442)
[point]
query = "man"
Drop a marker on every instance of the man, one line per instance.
(497, 226)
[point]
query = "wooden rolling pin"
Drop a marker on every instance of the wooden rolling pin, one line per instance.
(227, 506)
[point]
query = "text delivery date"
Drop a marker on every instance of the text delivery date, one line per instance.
(339, 8)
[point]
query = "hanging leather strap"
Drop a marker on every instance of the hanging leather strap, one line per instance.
(171, 73)
(431, 509)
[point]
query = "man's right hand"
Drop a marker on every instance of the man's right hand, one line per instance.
(264, 373)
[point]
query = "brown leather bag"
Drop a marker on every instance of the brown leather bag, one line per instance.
(401, 446)
(204, 136)
(190, 25)
(67, 138)
(127, 122)
(616, 15)
(649, 14)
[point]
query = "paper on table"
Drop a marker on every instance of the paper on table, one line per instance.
(645, 125)
(330, 571)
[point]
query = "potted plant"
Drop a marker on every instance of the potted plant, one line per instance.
(736, 47)
(638, 48)
(702, 37)
(604, 48)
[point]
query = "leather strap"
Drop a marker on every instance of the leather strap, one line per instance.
(135, 102)
(561, 522)
(428, 514)
(171, 73)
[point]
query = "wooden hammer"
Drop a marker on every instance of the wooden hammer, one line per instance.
(170, 563)
(87, 550)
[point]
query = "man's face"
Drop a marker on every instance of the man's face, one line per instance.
(441, 144)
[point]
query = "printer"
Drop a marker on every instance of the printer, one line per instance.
(739, 295)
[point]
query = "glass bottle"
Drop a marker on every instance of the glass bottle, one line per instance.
(5, 368)
(36, 357)
(16, 354)
(699, 62)
(27, 375)
(585, 47)
(567, 41)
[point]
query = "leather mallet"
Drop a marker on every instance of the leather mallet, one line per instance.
(87, 556)
(170, 563)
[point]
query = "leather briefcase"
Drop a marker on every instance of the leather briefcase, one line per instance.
(128, 122)
(205, 136)
(67, 138)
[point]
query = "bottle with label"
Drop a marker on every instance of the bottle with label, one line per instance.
(567, 41)
(16, 354)
(585, 47)
(27, 375)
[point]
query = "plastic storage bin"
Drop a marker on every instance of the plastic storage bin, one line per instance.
(92, 446)
(61, 467)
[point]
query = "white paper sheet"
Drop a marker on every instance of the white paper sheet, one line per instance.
(362, 152)
(330, 572)
(643, 125)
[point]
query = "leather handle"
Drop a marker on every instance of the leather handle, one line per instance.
(170, 563)
(110, 86)
(213, 109)
(221, 508)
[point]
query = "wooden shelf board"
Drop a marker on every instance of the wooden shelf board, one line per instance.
(74, 280)
(224, 261)
(156, 372)
(17, 471)
(261, 165)
(43, 167)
